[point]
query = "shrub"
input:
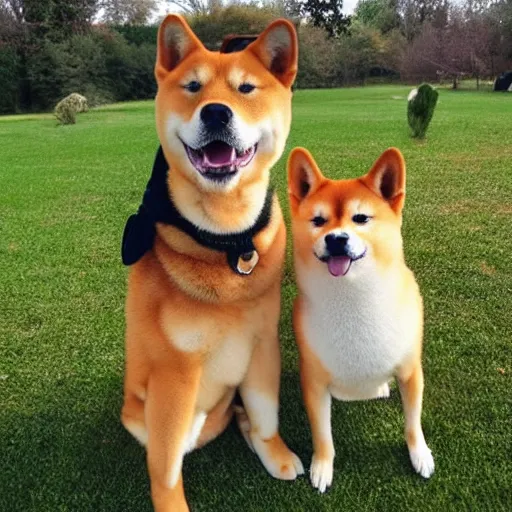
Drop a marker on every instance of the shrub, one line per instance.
(100, 65)
(67, 108)
(233, 19)
(44, 80)
(59, 69)
(358, 53)
(317, 58)
(9, 79)
(143, 83)
(420, 109)
(129, 68)
(138, 34)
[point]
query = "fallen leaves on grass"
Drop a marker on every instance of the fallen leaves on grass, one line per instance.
(488, 270)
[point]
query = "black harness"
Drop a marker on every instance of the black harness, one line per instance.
(157, 206)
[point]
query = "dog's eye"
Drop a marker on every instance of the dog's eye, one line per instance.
(246, 88)
(318, 221)
(193, 86)
(361, 218)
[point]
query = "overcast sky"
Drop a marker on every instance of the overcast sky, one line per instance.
(349, 6)
(165, 7)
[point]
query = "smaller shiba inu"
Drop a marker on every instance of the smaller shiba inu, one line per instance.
(358, 318)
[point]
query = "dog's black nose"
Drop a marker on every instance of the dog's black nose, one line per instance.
(216, 115)
(336, 244)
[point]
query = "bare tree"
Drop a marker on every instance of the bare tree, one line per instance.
(464, 46)
(130, 12)
(9, 27)
(196, 6)
(12, 10)
(415, 13)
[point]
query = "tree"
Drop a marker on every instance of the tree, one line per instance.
(58, 18)
(379, 14)
(318, 59)
(27, 11)
(415, 13)
(234, 19)
(359, 52)
(10, 24)
(127, 12)
(197, 6)
(499, 18)
(9, 79)
(71, 16)
(327, 14)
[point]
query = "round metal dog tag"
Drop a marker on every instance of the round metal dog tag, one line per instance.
(247, 262)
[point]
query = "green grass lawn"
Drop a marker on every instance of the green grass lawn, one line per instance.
(65, 193)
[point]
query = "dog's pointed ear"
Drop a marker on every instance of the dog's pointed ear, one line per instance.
(387, 178)
(277, 48)
(304, 176)
(175, 41)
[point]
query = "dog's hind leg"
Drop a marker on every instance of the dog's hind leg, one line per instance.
(174, 426)
(217, 420)
(135, 383)
(132, 417)
(244, 424)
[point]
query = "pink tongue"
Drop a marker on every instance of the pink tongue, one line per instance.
(339, 265)
(218, 154)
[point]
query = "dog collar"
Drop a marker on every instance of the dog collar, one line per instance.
(157, 206)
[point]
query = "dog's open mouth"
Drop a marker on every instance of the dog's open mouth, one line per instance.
(218, 160)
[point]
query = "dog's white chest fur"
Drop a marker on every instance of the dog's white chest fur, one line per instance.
(356, 327)
(229, 362)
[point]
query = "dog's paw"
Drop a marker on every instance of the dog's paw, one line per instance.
(422, 461)
(320, 473)
(383, 391)
(296, 467)
(277, 458)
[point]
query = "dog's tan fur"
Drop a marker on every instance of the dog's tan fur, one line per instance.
(196, 331)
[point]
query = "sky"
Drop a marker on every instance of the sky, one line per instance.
(349, 6)
(165, 7)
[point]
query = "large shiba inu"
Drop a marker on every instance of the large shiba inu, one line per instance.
(207, 249)
(358, 318)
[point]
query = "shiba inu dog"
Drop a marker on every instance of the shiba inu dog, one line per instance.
(358, 318)
(206, 251)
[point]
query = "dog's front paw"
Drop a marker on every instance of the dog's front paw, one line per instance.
(422, 460)
(320, 472)
(277, 458)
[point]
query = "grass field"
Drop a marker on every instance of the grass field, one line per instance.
(65, 193)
